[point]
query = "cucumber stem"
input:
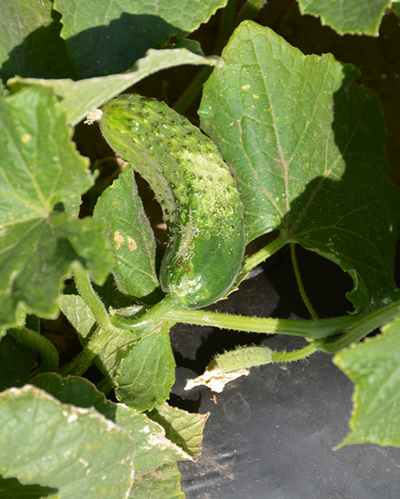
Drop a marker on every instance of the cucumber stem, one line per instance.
(80, 363)
(299, 281)
(311, 329)
(39, 344)
(158, 313)
(368, 321)
(86, 357)
(91, 298)
(314, 346)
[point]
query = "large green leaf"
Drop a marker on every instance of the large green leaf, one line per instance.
(307, 147)
(106, 38)
(39, 167)
(374, 367)
(79, 98)
(361, 17)
(155, 456)
(30, 44)
(75, 450)
(126, 225)
(17, 20)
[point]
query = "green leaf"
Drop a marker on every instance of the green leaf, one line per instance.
(18, 19)
(146, 375)
(30, 44)
(117, 346)
(39, 163)
(155, 456)
(181, 427)
(79, 315)
(75, 450)
(128, 229)
(361, 17)
(106, 38)
(79, 98)
(307, 147)
(39, 167)
(16, 362)
(114, 345)
(373, 366)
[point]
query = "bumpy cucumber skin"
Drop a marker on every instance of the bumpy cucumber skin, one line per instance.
(198, 195)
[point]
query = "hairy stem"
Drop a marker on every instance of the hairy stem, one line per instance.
(313, 329)
(86, 357)
(39, 344)
(314, 346)
(91, 298)
(161, 311)
(366, 324)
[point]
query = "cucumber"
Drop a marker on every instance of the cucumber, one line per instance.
(198, 195)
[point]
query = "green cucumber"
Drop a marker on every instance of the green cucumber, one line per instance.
(198, 195)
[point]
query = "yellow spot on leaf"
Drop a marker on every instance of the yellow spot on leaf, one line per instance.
(118, 239)
(256, 96)
(132, 244)
(246, 87)
(26, 138)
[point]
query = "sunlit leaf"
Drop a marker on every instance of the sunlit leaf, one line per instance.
(126, 225)
(105, 38)
(39, 168)
(75, 450)
(361, 17)
(374, 367)
(79, 98)
(307, 147)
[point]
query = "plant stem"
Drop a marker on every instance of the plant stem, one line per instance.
(312, 329)
(303, 294)
(159, 312)
(91, 298)
(86, 357)
(249, 10)
(192, 91)
(39, 344)
(365, 325)
(314, 346)
(104, 386)
(80, 364)
(266, 252)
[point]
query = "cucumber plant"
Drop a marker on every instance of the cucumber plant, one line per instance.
(287, 144)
